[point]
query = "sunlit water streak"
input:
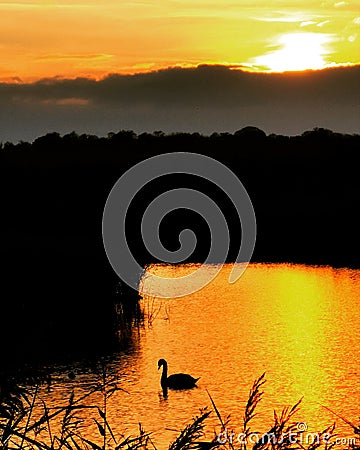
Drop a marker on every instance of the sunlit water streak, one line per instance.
(299, 324)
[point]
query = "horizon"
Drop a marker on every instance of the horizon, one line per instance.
(161, 134)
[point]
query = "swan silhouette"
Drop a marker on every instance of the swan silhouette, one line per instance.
(176, 380)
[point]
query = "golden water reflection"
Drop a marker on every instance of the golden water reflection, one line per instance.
(299, 324)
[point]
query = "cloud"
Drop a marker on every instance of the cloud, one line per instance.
(66, 101)
(321, 24)
(307, 23)
(70, 56)
(40, 5)
(204, 99)
(289, 17)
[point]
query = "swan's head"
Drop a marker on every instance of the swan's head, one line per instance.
(161, 362)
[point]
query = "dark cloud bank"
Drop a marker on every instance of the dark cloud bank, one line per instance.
(203, 99)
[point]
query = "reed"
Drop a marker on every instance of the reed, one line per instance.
(188, 437)
(65, 428)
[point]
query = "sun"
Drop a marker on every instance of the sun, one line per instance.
(298, 51)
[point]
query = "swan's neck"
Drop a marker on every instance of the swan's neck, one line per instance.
(164, 374)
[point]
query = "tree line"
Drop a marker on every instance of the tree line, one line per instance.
(57, 284)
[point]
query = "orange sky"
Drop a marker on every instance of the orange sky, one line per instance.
(88, 38)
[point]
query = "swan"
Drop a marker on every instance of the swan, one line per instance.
(176, 380)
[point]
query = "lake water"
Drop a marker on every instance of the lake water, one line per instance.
(299, 324)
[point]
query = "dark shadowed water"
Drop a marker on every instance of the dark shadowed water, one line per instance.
(299, 324)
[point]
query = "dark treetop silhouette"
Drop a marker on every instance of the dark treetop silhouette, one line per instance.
(58, 288)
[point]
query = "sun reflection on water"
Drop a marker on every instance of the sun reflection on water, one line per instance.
(299, 324)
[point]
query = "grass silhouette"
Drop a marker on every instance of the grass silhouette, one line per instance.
(64, 427)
